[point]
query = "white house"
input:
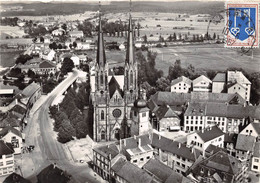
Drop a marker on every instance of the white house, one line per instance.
(48, 54)
(255, 166)
(6, 158)
(76, 34)
(218, 83)
(202, 84)
(14, 137)
(252, 129)
(238, 88)
(202, 139)
(181, 85)
(238, 77)
(58, 32)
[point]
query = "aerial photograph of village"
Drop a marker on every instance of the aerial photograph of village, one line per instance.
(129, 91)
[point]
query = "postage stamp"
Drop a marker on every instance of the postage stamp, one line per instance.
(241, 29)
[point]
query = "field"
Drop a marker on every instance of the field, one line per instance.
(7, 59)
(202, 57)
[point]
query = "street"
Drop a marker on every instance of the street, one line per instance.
(39, 132)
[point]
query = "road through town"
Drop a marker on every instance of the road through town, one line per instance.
(47, 149)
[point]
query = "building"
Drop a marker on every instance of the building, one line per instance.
(72, 56)
(252, 129)
(165, 118)
(6, 158)
(238, 83)
(219, 83)
(123, 171)
(139, 115)
(58, 32)
(255, 165)
(47, 54)
(76, 34)
(14, 137)
(176, 155)
(30, 94)
(181, 85)
(245, 147)
(112, 100)
(14, 177)
(202, 84)
(137, 150)
(202, 139)
(162, 173)
(219, 167)
(6, 93)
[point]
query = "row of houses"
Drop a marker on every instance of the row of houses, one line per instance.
(229, 82)
(159, 159)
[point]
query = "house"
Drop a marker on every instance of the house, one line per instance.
(137, 150)
(6, 158)
(238, 83)
(166, 119)
(76, 34)
(30, 94)
(219, 167)
(252, 129)
(122, 46)
(6, 93)
(46, 67)
(181, 85)
(82, 59)
(58, 32)
(244, 147)
(20, 111)
(230, 141)
(176, 155)
(52, 174)
(14, 137)
(47, 54)
(10, 121)
(219, 83)
(162, 173)
(202, 139)
(202, 84)
(255, 164)
(123, 171)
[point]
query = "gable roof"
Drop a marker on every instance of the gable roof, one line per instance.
(201, 78)
(245, 142)
(30, 89)
(9, 121)
(108, 150)
(158, 169)
(196, 109)
(19, 109)
(165, 111)
(181, 79)
(256, 126)
(237, 76)
(220, 77)
(236, 84)
(46, 64)
(210, 133)
(113, 86)
(131, 173)
(5, 148)
(52, 174)
(257, 149)
(8, 129)
(15, 178)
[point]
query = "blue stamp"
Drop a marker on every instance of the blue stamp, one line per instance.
(242, 25)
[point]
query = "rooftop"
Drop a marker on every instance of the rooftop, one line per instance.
(30, 89)
(165, 111)
(210, 133)
(5, 148)
(220, 77)
(257, 149)
(46, 64)
(8, 129)
(181, 79)
(245, 142)
(201, 78)
(237, 76)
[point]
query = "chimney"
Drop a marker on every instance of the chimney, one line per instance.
(179, 145)
(54, 165)
(16, 101)
(244, 104)
(210, 128)
(124, 142)
(192, 150)
(120, 145)
(134, 137)
(202, 130)
(159, 137)
(109, 156)
(139, 142)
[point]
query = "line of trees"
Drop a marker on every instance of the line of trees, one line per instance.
(69, 120)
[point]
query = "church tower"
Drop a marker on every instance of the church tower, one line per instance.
(130, 84)
(100, 98)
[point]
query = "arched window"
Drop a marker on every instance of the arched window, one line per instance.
(102, 115)
(131, 77)
(103, 135)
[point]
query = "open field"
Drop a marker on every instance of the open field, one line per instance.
(7, 59)
(202, 57)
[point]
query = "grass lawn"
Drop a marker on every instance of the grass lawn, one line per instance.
(7, 59)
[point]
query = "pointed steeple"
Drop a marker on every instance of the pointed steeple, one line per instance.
(130, 59)
(101, 56)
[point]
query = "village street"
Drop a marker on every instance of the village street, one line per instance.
(39, 132)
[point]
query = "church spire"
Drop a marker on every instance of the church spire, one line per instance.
(101, 56)
(130, 41)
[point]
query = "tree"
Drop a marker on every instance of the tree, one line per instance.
(66, 132)
(214, 35)
(86, 27)
(60, 46)
(41, 39)
(53, 46)
(74, 44)
(64, 26)
(23, 59)
(174, 36)
(163, 84)
(145, 38)
(67, 66)
(30, 73)
(175, 70)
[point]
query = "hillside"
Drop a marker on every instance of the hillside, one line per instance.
(58, 8)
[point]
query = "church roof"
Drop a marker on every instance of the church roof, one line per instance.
(113, 86)
(101, 56)
(130, 56)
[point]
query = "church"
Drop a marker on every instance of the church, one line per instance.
(119, 109)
